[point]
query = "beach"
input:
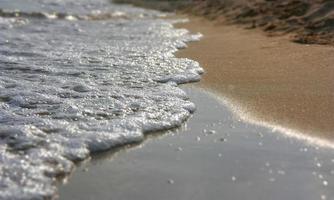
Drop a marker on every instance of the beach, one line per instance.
(100, 100)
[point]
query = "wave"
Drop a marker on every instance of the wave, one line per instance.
(69, 88)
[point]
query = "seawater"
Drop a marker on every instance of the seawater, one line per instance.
(78, 77)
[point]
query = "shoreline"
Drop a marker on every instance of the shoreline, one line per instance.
(215, 155)
(267, 80)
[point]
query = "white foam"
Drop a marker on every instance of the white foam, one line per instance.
(66, 93)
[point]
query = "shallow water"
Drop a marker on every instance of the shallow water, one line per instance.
(79, 77)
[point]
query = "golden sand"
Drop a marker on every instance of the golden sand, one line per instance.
(270, 78)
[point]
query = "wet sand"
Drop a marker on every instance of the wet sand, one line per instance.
(268, 79)
(238, 161)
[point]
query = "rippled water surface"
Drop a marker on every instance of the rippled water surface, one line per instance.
(78, 77)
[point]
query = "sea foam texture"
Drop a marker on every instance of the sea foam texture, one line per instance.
(70, 87)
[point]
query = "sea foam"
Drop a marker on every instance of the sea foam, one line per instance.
(72, 87)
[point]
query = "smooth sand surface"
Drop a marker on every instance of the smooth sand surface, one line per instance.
(239, 161)
(268, 79)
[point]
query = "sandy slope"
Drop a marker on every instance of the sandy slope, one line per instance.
(270, 79)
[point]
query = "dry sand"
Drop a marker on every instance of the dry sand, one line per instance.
(269, 79)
